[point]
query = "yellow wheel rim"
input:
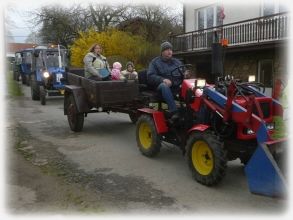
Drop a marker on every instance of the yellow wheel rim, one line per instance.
(202, 157)
(145, 135)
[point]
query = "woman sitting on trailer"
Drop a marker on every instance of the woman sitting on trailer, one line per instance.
(95, 64)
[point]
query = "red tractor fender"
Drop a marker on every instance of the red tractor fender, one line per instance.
(158, 117)
(198, 127)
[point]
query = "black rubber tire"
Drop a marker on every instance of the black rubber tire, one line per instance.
(27, 80)
(219, 158)
(155, 143)
(23, 79)
(75, 119)
(133, 117)
(35, 89)
(244, 159)
(42, 95)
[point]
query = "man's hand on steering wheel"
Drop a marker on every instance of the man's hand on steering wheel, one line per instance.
(168, 82)
(183, 72)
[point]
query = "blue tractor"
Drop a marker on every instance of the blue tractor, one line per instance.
(17, 66)
(26, 66)
(48, 77)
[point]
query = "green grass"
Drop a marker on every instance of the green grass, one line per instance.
(280, 128)
(14, 88)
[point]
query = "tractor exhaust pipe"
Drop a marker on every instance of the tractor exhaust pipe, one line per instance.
(217, 60)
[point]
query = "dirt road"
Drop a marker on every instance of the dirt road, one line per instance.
(51, 169)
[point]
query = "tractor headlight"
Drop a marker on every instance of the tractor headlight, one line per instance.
(270, 126)
(46, 74)
(200, 83)
(251, 78)
(249, 131)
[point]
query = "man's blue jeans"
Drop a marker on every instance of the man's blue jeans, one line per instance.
(167, 95)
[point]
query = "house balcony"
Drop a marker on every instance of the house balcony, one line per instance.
(254, 33)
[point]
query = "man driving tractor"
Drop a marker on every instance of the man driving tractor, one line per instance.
(160, 76)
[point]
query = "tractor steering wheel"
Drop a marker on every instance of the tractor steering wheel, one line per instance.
(178, 72)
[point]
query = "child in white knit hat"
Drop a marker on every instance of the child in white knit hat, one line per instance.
(116, 71)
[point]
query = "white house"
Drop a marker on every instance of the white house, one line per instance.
(257, 35)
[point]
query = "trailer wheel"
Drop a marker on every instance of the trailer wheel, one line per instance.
(133, 117)
(42, 95)
(74, 118)
(206, 158)
(35, 89)
(147, 138)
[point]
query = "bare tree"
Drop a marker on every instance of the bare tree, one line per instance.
(105, 16)
(154, 21)
(61, 25)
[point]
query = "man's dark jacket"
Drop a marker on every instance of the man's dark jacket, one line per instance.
(160, 69)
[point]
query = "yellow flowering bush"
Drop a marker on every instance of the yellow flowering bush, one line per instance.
(116, 45)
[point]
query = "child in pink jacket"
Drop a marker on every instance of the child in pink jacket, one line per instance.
(116, 71)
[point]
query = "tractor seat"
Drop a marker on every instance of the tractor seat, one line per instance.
(145, 89)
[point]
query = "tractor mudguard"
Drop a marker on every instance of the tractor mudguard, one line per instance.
(158, 117)
(79, 98)
(198, 127)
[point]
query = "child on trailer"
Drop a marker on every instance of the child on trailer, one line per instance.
(116, 71)
(129, 73)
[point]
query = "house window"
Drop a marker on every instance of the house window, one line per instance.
(208, 17)
(268, 7)
(283, 8)
(200, 20)
(265, 72)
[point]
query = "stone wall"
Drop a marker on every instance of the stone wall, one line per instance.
(242, 64)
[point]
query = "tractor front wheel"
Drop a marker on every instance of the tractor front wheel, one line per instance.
(206, 158)
(147, 138)
(35, 89)
(43, 95)
(74, 118)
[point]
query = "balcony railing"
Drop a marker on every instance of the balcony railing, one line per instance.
(258, 30)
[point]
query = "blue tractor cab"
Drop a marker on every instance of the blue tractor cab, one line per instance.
(26, 66)
(17, 66)
(47, 79)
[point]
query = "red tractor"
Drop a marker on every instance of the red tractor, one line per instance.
(218, 123)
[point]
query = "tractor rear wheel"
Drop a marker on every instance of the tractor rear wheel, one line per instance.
(23, 79)
(27, 80)
(74, 118)
(147, 138)
(206, 158)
